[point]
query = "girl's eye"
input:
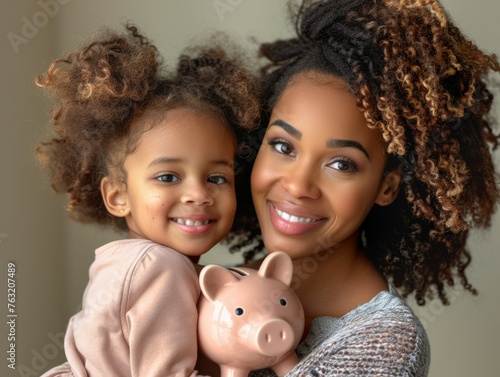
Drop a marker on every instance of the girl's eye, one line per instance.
(217, 179)
(281, 146)
(168, 178)
(344, 164)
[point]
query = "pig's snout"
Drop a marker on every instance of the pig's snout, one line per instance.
(275, 338)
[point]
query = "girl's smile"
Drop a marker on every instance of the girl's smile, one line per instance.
(194, 224)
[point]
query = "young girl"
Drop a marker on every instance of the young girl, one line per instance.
(154, 155)
(374, 165)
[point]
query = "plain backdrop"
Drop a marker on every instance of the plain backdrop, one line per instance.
(52, 254)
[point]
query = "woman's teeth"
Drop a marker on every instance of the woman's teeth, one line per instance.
(294, 219)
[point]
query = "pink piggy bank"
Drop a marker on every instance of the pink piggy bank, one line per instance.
(250, 319)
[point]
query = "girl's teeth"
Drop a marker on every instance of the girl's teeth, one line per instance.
(294, 219)
(191, 222)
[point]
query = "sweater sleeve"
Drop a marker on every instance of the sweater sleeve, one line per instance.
(159, 314)
(381, 344)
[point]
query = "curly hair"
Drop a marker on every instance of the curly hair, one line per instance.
(105, 88)
(423, 84)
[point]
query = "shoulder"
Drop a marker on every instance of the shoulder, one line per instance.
(131, 254)
(389, 321)
(383, 335)
(144, 264)
(158, 271)
(156, 259)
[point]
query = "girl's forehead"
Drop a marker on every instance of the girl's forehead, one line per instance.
(184, 136)
(181, 121)
(165, 119)
(168, 121)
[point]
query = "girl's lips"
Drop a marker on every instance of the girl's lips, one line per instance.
(190, 222)
(292, 224)
(193, 226)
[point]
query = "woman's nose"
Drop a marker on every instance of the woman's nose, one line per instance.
(300, 181)
(197, 193)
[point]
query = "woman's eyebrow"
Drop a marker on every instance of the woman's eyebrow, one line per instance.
(331, 143)
(288, 128)
(341, 143)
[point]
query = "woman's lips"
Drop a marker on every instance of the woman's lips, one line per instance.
(290, 223)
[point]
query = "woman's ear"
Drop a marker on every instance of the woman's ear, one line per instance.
(115, 197)
(389, 188)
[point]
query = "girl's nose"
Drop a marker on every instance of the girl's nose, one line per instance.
(300, 181)
(197, 193)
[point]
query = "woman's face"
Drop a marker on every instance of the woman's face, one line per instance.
(319, 169)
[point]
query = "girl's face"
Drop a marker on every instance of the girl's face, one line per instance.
(319, 169)
(180, 183)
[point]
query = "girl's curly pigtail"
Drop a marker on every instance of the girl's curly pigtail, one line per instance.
(95, 90)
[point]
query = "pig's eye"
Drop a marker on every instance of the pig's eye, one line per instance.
(283, 302)
(238, 311)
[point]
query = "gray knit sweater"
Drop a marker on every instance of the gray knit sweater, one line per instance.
(380, 338)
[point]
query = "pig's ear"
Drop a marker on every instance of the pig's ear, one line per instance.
(279, 266)
(212, 278)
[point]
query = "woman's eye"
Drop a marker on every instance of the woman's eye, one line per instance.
(281, 146)
(344, 164)
(217, 179)
(168, 178)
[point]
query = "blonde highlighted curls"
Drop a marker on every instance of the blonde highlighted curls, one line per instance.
(103, 88)
(422, 61)
(423, 84)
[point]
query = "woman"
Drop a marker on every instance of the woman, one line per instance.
(374, 165)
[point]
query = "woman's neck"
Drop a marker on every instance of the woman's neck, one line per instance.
(335, 282)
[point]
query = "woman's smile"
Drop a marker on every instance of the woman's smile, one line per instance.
(289, 221)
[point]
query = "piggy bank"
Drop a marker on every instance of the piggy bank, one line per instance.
(250, 319)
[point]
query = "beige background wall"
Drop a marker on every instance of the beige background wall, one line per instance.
(52, 254)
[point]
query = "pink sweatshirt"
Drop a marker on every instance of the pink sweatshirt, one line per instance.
(139, 315)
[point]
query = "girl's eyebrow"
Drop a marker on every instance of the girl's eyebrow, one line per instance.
(163, 160)
(288, 128)
(341, 143)
(171, 160)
